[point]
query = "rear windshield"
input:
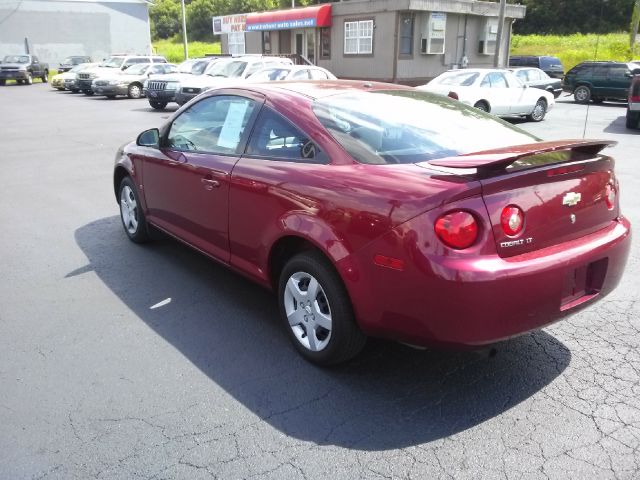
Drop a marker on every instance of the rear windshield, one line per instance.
(403, 126)
(463, 79)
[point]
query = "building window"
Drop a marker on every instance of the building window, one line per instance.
(489, 37)
(266, 42)
(406, 34)
(325, 42)
(436, 33)
(236, 43)
(358, 37)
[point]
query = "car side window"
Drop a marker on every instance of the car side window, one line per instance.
(301, 75)
(276, 138)
(619, 72)
(212, 125)
(523, 75)
(253, 68)
(600, 71)
(494, 80)
(318, 74)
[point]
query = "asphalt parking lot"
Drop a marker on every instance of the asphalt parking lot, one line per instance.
(97, 380)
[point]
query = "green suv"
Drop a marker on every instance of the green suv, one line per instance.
(599, 81)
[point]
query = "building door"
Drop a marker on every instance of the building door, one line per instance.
(311, 45)
(284, 41)
(300, 44)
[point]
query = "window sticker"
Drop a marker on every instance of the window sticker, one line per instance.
(233, 125)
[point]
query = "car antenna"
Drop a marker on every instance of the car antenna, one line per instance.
(595, 58)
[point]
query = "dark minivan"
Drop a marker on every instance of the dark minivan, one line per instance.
(552, 66)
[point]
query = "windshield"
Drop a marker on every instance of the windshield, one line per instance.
(199, 67)
(113, 62)
(399, 126)
(271, 74)
(77, 68)
(16, 59)
(463, 79)
(138, 69)
(230, 69)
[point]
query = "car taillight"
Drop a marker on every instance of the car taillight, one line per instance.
(634, 99)
(453, 95)
(610, 196)
(512, 220)
(457, 229)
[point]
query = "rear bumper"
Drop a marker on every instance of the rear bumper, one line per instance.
(465, 301)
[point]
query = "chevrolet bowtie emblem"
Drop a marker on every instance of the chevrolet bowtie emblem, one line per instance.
(572, 198)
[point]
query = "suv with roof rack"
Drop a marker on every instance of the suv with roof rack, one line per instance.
(113, 64)
(598, 81)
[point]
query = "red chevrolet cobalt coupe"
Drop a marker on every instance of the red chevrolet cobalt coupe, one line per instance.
(379, 210)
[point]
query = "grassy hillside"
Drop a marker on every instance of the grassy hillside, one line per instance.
(174, 50)
(573, 49)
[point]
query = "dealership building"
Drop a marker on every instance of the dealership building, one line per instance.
(56, 29)
(404, 41)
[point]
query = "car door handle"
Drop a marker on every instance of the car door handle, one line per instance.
(209, 183)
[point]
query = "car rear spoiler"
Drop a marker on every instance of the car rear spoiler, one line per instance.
(499, 159)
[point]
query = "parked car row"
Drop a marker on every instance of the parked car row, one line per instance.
(221, 71)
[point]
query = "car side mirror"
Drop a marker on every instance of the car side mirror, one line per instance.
(635, 71)
(149, 138)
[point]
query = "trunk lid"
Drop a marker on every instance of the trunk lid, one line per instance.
(561, 187)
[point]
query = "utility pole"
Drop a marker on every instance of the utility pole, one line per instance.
(184, 31)
(496, 55)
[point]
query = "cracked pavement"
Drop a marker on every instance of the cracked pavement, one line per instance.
(96, 384)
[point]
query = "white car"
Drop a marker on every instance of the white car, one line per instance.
(291, 72)
(495, 91)
(226, 72)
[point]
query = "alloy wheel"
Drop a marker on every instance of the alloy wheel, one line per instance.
(129, 209)
(308, 311)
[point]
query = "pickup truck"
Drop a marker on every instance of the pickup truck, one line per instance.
(23, 69)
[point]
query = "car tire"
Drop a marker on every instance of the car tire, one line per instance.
(131, 214)
(74, 90)
(632, 119)
(482, 105)
(29, 80)
(3, 83)
(60, 89)
(582, 94)
(157, 105)
(134, 91)
(88, 92)
(323, 328)
(539, 111)
(45, 77)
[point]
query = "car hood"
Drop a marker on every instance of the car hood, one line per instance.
(209, 81)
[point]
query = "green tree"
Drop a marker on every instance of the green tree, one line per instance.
(574, 16)
(165, 18)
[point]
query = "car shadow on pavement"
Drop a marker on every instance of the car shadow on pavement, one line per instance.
(391, 396)
(619, 126)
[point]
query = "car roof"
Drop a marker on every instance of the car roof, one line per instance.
(315, 89)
